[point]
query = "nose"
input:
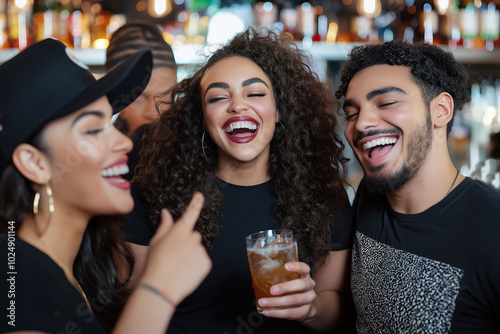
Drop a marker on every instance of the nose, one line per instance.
(120, 142)
(366, 119)
(237, 105)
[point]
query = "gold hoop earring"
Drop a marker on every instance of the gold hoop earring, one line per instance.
(36, 202)
(203, 145)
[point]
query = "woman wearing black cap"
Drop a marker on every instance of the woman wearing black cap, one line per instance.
(60, 166)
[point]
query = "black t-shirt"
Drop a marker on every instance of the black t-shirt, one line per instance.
(224, 302)
(133, 155)
(38, 294)
(433, 272)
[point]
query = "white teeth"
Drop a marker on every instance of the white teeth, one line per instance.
(115, 170)
(379, 142)
(241, 125)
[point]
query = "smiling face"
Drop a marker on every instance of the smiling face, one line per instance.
(143, 110)
(239, 111)
(388, 125)
(87, 155)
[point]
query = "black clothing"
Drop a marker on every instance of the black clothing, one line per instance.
(224, 302)
(42, 298)
(433, 272)
(133, 155)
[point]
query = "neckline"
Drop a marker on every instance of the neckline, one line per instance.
(416, 217)
(224, 184)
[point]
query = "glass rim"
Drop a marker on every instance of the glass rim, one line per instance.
(266, 233)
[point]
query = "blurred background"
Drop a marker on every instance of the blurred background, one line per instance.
(327, 30)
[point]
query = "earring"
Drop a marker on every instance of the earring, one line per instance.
(203, 145)
(36, 202)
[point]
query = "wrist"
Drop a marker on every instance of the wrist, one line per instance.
(311, 315)
(160, 294)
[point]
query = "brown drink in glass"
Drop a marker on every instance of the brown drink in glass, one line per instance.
(268, 251)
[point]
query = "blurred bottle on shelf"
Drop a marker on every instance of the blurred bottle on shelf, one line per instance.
(429, 24)
(489, 24)
(469, 25)
(51, 19)
(306, 23)
(288, 20)
(19, 18)
(99, 20)
(4, 40)
(265, 14)
(321, 24)
(449, 24)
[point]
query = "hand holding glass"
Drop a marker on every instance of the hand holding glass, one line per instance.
(268, 251)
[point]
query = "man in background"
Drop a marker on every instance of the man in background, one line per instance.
(127, 40)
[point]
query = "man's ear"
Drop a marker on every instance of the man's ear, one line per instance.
(32, 163)
(442, 109)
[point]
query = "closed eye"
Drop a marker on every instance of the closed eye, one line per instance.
(93, 132)
(350, 117)
(215, 99)
(350, 113)
(256, 94)
(387, 104)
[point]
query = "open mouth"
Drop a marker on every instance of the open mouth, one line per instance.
(113, 175)
(240, 129)
(115, 171)
(378, 147)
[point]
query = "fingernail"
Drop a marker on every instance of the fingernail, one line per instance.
(265, 312)
(262, 302)
(288, 266)
(275, 290)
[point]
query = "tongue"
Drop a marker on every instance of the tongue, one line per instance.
(241, 132)
(380, 150)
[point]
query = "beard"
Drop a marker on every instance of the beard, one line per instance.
(418, 147)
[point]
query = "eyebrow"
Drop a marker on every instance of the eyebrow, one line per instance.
(99, 114)
(243, 84)
(216, 85)
(384, 90)
(253, 80)
(371, 95)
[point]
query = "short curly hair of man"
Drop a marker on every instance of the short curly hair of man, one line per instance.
(306, 162)
(433, 69)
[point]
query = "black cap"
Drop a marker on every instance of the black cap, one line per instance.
(46, 81)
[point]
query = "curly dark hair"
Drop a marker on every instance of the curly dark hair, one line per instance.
(433, 69)
(306, 154)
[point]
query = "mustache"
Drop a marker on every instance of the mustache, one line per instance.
(370, 133)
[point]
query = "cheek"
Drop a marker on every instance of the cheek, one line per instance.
(409, 115)
(348, 132)
(210, 116)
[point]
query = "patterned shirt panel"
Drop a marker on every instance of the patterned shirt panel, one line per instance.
(400, 292)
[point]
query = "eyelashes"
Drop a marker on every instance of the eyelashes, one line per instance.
(215, 99)
(94, 132)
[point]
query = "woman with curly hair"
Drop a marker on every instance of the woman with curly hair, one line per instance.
(255, 131)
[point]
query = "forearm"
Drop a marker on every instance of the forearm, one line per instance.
(145, 312)
(331, 310)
